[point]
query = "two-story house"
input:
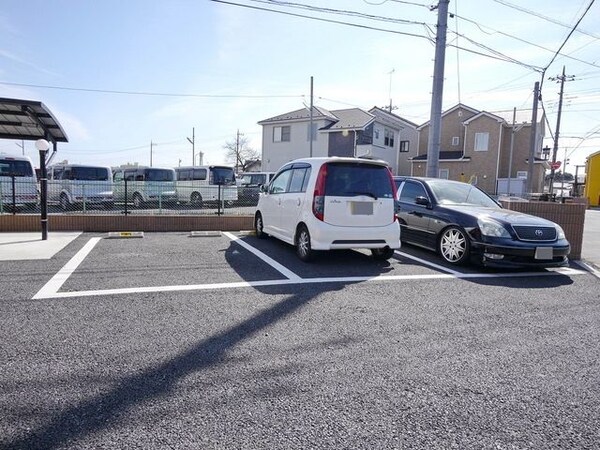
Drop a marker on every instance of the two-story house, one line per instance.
(483, 147)
(346, 132)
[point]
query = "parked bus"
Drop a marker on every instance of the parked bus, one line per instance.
(142, 185)
(18, 183)
(79, 186)
(201, 184)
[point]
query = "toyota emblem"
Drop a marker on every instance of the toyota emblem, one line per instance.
(539, 233)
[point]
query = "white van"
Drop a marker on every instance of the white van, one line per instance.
(197, 185)
(141, 185)
(331, 203)
(80, 186)
(18, 183)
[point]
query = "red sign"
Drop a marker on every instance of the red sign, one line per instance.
(555, 165)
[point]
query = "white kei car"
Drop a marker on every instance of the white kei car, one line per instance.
(331, 203)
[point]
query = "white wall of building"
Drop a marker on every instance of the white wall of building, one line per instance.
(276, 154)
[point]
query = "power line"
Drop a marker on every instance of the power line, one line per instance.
(478, 25)
(570, 33)
(549, 19)
(344, 12)
(156, 94)
(339, 22)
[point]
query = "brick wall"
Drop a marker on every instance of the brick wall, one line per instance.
(105, 223)
(570, 216)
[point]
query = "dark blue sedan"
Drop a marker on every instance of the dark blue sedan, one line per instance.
(464, 224)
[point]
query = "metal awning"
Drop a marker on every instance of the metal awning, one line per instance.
(29, 120)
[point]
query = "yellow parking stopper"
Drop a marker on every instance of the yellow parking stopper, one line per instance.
(126, 234)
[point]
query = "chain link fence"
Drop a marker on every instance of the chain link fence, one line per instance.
(127, 198)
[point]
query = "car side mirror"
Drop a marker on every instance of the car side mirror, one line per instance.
(262, 188)
(423, 201)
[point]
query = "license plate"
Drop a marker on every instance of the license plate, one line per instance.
(543, 253)
(361, 208)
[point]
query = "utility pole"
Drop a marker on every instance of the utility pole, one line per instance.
(435, 121)
(238, 160)
(562, 79)
(193, 142)
(532, 137)
(21, 145)
(390, 91)
(151, 145)
(310, 145)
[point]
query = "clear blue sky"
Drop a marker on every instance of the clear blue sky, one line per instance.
(218, 67)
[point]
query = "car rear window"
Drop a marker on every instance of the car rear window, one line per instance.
(352, 179)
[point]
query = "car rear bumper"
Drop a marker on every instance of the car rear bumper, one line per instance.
(330, 237)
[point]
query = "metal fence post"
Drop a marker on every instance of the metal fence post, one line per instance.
(14, 194)
(126, 212)
(83, 195)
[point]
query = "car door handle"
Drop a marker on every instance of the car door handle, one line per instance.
(299, 201)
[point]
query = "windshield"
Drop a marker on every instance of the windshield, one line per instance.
(449, 193)
(12, 167)
(223, 175)
(160, 175)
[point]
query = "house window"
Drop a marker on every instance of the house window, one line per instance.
(481, 142)
(455, 141)
(314, 132)
(388, 138)
(444, 174)
(522, 174)
(376, 133)
(404, 146)
(281, 134)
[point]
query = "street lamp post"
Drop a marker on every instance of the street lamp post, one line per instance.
(42, 145)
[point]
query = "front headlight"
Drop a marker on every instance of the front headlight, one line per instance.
(492, 228)
(560, 233)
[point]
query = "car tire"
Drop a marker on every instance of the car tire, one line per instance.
(258, 226)
(64, 202)
(454, 245)
(196, 199)
(382, 254)
(303, 246)
(138, 201)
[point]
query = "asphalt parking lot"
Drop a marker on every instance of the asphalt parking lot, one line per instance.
(227, 341)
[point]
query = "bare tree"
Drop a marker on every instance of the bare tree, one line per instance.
(239, 153)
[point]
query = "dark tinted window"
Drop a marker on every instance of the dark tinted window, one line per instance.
(159, 175)
(89, 173)
(411, 190)
(199, 175)
(15, 168)
(299, 179)
(352, 179)
(222, 175)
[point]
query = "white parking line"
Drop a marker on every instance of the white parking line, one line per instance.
(50, 289)
(270, 261)
(428, 263)
(55, 283)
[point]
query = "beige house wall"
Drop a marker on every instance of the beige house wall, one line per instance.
(484, 164)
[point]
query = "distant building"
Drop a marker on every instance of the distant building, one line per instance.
(476, 148)
(347, 132)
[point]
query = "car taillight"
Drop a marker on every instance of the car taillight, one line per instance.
(394, 193)
(318, 205)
